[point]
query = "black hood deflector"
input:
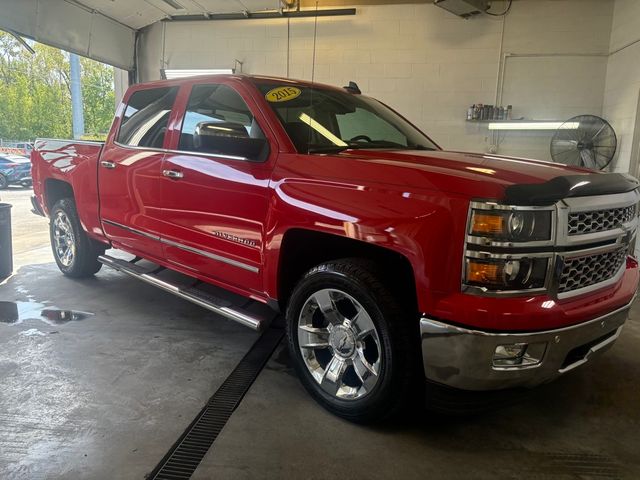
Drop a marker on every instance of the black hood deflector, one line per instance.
(558, 188)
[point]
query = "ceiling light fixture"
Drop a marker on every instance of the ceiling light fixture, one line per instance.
(173, 4)
(541, 125)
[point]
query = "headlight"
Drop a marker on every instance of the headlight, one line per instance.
(511, 225)
(497, 274)
(499, 257)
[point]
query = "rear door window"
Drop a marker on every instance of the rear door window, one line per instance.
(145, 120)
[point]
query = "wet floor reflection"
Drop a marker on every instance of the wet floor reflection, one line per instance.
(14, 313)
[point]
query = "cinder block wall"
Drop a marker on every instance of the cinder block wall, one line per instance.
(427, 63)
(623, 79)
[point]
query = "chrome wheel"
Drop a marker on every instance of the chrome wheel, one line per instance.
(339, 344)
(64, 239)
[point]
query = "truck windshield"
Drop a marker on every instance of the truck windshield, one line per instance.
(322, 120)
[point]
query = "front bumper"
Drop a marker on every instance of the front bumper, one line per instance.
(464, 359)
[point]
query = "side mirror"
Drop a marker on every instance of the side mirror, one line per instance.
(228, 138)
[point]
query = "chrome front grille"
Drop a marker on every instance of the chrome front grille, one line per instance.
(581, 223)
(581, 272)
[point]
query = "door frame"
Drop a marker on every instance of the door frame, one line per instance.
(634, 161)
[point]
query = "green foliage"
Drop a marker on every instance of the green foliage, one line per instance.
(35, 98)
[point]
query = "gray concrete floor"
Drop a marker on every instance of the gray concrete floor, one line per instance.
(106, 396)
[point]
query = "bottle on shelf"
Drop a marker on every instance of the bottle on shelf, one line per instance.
(509, 112)
(470, 112)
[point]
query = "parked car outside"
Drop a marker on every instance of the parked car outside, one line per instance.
(16, 148)
(14, 170)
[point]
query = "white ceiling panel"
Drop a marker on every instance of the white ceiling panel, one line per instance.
(133, 13)
(251, 5)
(19, 16)
(137, 14)
(66, 25)
(140, 13)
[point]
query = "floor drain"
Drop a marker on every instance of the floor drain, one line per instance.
(186, 454)
(581, 465)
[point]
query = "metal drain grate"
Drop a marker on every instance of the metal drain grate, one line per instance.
(186, 454)
(581, 465)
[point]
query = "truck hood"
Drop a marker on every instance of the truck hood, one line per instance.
(468, 174)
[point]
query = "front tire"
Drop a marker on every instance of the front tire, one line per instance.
(4, 183)
(352, 343)
(75, 253)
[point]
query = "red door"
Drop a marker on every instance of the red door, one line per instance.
(130, 172)
(216, 188)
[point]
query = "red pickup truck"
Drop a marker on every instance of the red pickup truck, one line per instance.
(393, 260)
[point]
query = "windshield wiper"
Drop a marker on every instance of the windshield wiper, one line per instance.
(386, 144)
(364, 146)
(376, 144)
(422, 147)
(328, 148)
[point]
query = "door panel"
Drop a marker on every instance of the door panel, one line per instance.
(129, 198)
(213, 217)
(215, 198)
(130, 172)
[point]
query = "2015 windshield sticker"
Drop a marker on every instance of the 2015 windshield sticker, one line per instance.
(282, 94)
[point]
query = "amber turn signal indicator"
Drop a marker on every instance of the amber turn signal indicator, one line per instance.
(487, 224)
(484, 273)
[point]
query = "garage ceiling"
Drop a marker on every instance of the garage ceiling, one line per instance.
(140, 13)
(105, 29)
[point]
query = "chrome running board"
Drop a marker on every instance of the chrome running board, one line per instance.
(191, 294)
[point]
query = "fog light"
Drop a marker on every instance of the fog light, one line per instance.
(513, 352)
(518, 355)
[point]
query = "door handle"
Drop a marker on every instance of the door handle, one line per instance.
(109, 165)
(172, 174)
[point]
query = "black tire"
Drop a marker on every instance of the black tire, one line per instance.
(4, 183)
(84, 261)
(397, 335)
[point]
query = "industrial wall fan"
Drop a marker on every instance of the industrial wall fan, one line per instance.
(584, 141)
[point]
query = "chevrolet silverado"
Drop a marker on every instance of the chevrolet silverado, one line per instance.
(392, 260)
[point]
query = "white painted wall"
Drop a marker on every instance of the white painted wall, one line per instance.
(623, 78)
(421, 60)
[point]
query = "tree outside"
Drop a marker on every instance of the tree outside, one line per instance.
(35, 95)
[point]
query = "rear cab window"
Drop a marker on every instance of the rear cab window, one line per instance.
(146, 117)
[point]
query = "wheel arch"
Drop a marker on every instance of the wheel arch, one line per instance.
(55, 190)
(299, 253)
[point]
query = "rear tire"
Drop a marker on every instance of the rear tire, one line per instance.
(75, 253)
(360, 376)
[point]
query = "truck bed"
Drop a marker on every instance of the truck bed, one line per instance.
(59, 164)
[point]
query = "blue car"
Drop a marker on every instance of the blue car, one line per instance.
(14, 170)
